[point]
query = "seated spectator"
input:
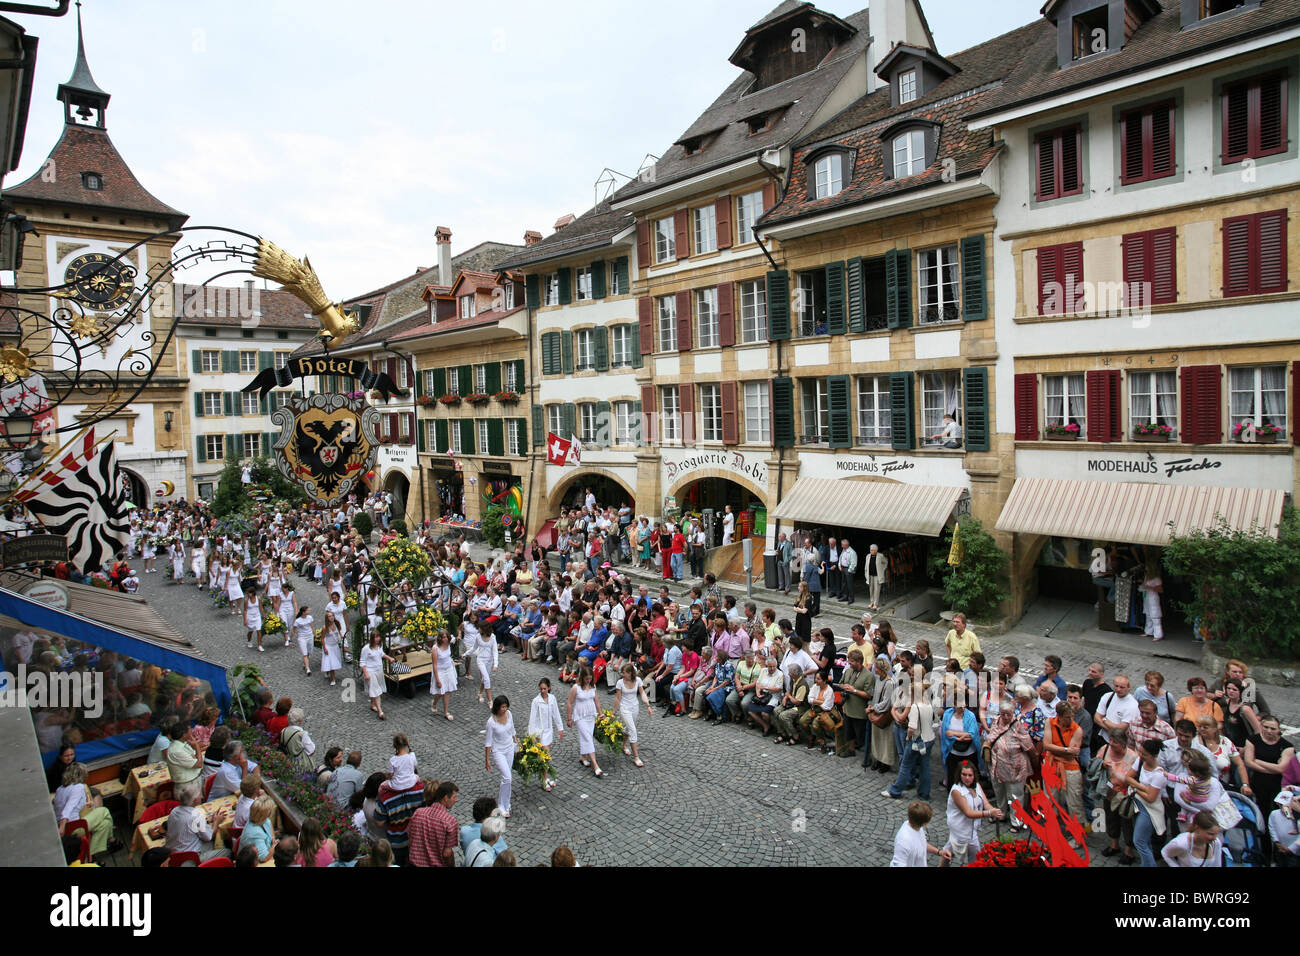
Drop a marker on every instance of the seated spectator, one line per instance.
(166, 733)
(381, 854)
(234, 765)
(154, 857)
(75, 801)
(347, 780)
(349, 845)
(286, 852)
(314, 848)
(183, 761)
(257, 832)
(250, 788)
(215, 753)
(201, 733)
(246, 857)
(189, 830)
(275, 726)
(563, 856)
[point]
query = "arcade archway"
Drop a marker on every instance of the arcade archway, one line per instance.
(708, 497)
(137, 492)
(609, 489)
(399, 486)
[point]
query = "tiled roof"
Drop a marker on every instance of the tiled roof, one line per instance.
(279, 309)
(1160, 39)
(482, 320)
(83, 149)
(593, 229)
(725, 117)
(479, 280)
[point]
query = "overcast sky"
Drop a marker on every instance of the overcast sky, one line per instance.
(348, 131)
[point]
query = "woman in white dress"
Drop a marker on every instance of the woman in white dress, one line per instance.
(253, 616)
(234, 590)
(178, 560)
(302, 630)
(274, 584)
(372, 606)
(443, 683)
(372, 662)
(337, 606)
(967, 806)
(544, 720)
(199, 562)
(499, 748)
(728, 525)
(483, 650)
(629, 691)
(582, 714)
(263, 570)
(331, 661)
(216, 563)
(148, 549)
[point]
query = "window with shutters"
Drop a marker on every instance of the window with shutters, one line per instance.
(815, 407)
(1059, 163)
(215, 447)
(758, 419)
(248, 361)
(507, 296)
(906, 86)
(428, 383)
(710, 412)
(625, 423)
(748, 208)
(453, 429)
(1257, 396)
(1147, 143)
(665, 240)
(1090, 32)
(584, 344)
(480, 379)
(940, 395)
(828, 176)
(706, 318)
(249, 404)
(753, 311)
(555, 420)
(252, 446)
(1253, 118)
(589, 423)
(622, 340)
(667, 306)
(1060, 279)
(1254, 253)
(453, 380)
(1153, 398)
(706, 229)
(514, 437)
(670, 415)
(282, 359)
(280, 399)
(205, 490)
(1066, 402)
(909, 154)
(874, 410)
(875, 299)
(552, 289)
(582, 285)
(468, 306)
(614, 278)
(212, 403)
(509, 377)
(938, 281)
(810, 302)
(1150, 268)
(209, 360)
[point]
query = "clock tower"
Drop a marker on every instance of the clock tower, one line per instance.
(89, 209)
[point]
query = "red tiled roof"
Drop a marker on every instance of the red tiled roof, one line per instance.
(483, 319)
(479, 280)
(279, 309)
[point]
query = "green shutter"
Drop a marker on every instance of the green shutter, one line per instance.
(227, 403)
(902, 389)
(974, 299)
(520, 385)
(493, 376)
(539, 426)
(976, 403)
(201, 450)
(533, 291)
(635, 428)
(783, 412)
(598, 280)
(898, 289)
(621, 270)
(198, 404)
(265, 360)
(857, 310)
(523, 432)
(419, 385)
(835, 323)
(196, 360)
(440, 442)
(569, 420)
(467, 443)
(421, 435)
(261, 404)
(268, 443)
(566, 286)
(837, 400)
(604, 425)
(229, 361)
(439, 382)
(566, 338)
(465, 375)
(546, 353)
(496, 437)
(600, 335)
(778, 307)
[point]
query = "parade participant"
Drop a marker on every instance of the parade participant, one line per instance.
(485, 651)
(331, 661)
(234, 590)
(444, 681)
(582, 714)
(253, 617)
(544, 721)
(306, 635)
(627, 693)
(499, 748)
(372, 662)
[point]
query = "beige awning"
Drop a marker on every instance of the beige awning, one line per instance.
(1132, 513)
(127, 612)
(870, 505)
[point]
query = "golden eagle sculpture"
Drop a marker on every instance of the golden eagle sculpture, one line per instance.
(299, 278)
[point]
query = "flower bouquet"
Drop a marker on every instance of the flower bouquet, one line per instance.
(99, 580)
(422, 624)
(402, 560)
(219, 598)
(266, 605)
(1011, 853)
(352, 600)
(273, 624)
(532, 760)
(610, 731)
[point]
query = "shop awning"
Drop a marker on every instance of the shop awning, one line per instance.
(870, 505)
(1133, 513)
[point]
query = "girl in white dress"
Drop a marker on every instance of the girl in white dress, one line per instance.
(148, 549)
(234, 589)
(499, 748)
(199, 562)
(627, 696)
(331, 662)
(372, 606)
(214, 570)
(178, 560)
(302, 630)
(582, 713)
(372, 662)
(264, 570)
(544, 720)
(483, 650)
(444, 682)
(253, 616)
(274, 584)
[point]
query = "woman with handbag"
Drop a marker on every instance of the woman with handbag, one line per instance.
(967, 807)
(1148, 784)
(1009, 745)
(791, 708)
(767, 691)
(883, 752)
(959, 738)
(1118, 761)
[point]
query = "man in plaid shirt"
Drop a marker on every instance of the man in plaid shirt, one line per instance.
(433, 833)
(1149, 726)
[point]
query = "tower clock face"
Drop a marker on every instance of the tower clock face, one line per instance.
(99, 281)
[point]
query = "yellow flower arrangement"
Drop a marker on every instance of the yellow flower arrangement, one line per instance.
(610, 731)
(422, 624)
(403, 560)
(532, 760)
(352, 600)
(273, 624)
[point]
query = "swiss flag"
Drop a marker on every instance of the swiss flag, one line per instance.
(557, 449)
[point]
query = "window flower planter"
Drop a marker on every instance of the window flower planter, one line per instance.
(507, 398)
(478, 398)
(425, 400)
(1250, 435)
(1150, 437)
(1061, 432)
(449, 399)
(1152, 432)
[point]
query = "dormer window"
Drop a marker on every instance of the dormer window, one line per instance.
(468, 307)
(906, 86)
(1090, 32)
(909, 154)
(693, 145)
(909, 148)
(92, 181)
(828, 176)
(760, 123)
(1194, 11)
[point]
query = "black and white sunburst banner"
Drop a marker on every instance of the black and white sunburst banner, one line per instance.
(85, 501)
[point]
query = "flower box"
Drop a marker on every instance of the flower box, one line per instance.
(1068, 432)
(1056, 436)
(507, 398)
(425, 400)
(1150, 436)
(1261, 438)
(478, 398)
(1249, 434)
(449, 399)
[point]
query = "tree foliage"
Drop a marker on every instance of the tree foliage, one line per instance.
(229, 497)
(363, 523)
(494, 531)
(1246, 586)
(979, 584)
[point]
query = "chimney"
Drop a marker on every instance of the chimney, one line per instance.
(532, 237)
(445, 275)
(891, 22)
(563, 221)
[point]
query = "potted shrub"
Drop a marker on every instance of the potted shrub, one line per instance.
(1151, 431)
(1068, 432)
(1259, 434)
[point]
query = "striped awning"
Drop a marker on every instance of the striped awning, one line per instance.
(870, 505)
(1132, 513)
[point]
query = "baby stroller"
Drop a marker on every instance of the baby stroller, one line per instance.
(1243, 842)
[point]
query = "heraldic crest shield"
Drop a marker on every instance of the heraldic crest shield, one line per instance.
(326, 443)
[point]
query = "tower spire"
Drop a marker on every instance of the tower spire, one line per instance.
(84, 101)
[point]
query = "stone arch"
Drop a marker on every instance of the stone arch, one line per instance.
(747, 483)
(137, 489)
(557, 494)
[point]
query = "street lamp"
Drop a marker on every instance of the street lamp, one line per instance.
(167, 420)
(18, 429)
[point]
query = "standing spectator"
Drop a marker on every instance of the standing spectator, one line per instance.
(857, 687)
(482, 850)
(877, 572)
(967, 806)
(1198, 847)
(848, 568)
(784, 552)
(1052, 672)
(398, 800)
(1267, 755)
(1153, 689)
(961, 641)
(1117, 710)
(1094, 689)
(347, 780)
(1062, 744)
(1010, 745)
(1149, 726)
(432, 831)
(813, 568)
